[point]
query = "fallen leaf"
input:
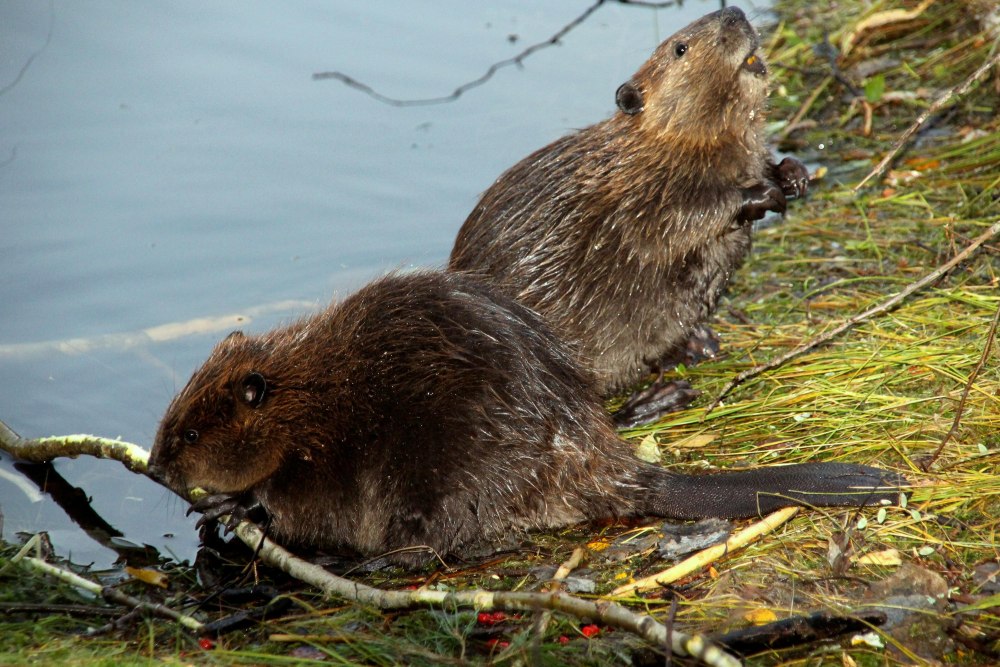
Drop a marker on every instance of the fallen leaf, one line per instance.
(695, 441)
(868, 639)
(922, 163)
(886, 557)
(879, 20)
(147, 576)
(902, 176)
(760, 616)
(598, 545)
(648, 450)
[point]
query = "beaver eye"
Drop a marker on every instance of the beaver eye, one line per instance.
(680, 49)
(253, 389)
(190, 436)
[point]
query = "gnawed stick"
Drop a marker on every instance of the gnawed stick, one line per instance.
(603, 611)
(712, 553)
(883, 307)
(42, 450)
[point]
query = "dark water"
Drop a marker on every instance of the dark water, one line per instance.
(165, 162)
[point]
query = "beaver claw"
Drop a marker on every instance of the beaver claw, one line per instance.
(213, 507)
(759, 199)
(792, 177)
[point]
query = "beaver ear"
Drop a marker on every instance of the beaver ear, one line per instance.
(234, 335)
(252, 389)
(628, 97)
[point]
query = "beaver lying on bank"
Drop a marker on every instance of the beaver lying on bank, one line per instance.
(430, 410)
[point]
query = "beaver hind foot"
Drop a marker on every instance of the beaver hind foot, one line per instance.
(649, 405)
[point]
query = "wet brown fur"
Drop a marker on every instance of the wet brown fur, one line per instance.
(623, 235)
(429, 409)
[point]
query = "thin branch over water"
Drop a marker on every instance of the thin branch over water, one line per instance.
(493, 69)
(27, 63)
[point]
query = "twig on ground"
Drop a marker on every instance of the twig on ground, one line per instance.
(573, 562)
(936, 105)
(714, 552)
(798, 631)
(604, 611)
(80, 610)
(990, 336)
(108, 593)
(883, 307)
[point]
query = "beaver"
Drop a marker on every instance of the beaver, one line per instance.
(624, 234)
(430, 409)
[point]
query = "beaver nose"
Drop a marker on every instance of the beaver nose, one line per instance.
(155, 470)
(731, 16)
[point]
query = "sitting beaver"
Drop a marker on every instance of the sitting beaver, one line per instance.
(429, 409)
(624, 234)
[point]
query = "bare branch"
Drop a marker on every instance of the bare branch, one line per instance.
(516, 60)
(108, 593)
(990, 336)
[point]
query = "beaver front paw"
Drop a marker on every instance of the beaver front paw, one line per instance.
(238, 507)
(792, 177)
(758, 200)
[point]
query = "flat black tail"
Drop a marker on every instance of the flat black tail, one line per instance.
(749, 493)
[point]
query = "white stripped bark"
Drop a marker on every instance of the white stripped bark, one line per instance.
(709, 555)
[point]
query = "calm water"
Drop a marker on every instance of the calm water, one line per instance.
(165, 162)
